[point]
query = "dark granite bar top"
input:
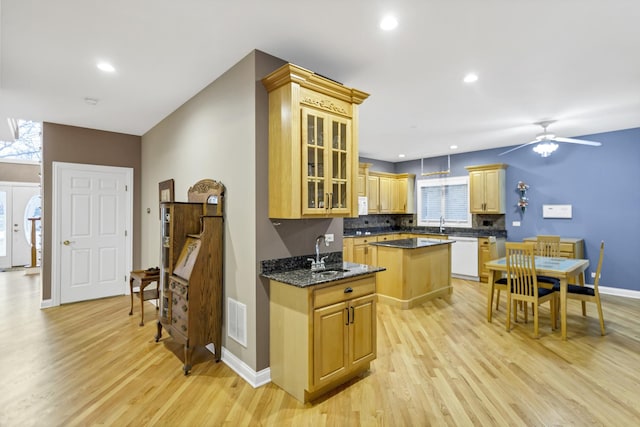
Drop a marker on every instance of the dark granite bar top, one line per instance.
(414, 243)
(303, 278)
(459, 232)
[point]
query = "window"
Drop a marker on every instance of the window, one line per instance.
(446, 198)
(27, 145)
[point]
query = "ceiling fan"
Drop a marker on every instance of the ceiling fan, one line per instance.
(546, 141)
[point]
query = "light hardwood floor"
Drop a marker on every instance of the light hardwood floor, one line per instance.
(440, 363)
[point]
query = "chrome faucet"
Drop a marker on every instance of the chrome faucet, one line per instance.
(442, 224)
(318, 263)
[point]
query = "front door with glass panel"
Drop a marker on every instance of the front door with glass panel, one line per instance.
(18, 203)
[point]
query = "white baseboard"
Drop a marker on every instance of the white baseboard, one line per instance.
(47, 303)
(255, 379)
(627, 293)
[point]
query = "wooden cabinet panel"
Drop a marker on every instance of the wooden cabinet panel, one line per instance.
(362, 333)
(487, 192)
(487, 250)
(322, 336)
(313, 145)
(385, 201)
(373, 194)
(331, 342)
(390, 193)
(363, 253)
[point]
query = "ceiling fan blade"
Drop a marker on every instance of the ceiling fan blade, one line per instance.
(519, 146)
(578, 141)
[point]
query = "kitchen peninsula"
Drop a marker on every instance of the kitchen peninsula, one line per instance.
(417, 270)
(322, 323)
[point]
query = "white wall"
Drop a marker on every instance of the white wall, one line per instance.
(211, 136)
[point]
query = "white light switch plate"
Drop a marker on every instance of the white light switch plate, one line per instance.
(328, 238)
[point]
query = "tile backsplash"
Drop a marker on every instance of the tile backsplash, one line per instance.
(406, 221)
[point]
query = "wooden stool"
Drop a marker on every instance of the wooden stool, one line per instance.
(145, 278)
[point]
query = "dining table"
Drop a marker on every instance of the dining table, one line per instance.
(563, 269)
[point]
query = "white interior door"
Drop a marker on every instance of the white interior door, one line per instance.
(92, 219)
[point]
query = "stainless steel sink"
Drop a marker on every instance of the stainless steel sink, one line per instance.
(330, 272)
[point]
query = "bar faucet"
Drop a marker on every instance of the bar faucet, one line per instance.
(318, 263)
(442, 224)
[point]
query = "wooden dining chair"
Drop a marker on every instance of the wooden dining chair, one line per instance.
(589, 294)
(522, 285)
(549, 246)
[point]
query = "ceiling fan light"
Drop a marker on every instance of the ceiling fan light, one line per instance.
(545, 136)
(545, 148)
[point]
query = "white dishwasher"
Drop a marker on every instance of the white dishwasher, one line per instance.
(464, 257)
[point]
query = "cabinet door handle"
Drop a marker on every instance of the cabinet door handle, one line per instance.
(347, 310)
(326, 204)
(353, 314)
(348, 290)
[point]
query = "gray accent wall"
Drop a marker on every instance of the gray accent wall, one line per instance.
(222, 133)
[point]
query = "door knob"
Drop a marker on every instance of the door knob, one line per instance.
(67, 242)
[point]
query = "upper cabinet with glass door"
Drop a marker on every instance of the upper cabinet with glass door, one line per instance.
(313, 145)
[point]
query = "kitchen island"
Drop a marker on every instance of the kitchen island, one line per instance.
(417, 270)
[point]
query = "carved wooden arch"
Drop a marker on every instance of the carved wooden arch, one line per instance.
(207, 191)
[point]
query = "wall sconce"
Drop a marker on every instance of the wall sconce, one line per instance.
(523, 202)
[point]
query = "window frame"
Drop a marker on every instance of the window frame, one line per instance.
(442, 183)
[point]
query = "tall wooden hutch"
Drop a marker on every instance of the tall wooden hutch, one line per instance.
(191, 275)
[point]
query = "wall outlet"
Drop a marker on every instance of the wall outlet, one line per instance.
(593, 275)
(515, 223)
(328, 238)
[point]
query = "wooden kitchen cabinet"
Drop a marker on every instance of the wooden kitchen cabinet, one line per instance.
(487, 193)
(488, 249)
(373, 193)
(313, 145)
(391, 193)
(385, 198)
(363, 252)
(363, 179)
(403, 191)
(321, 336)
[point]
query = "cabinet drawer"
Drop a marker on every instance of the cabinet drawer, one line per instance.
(364, 240)
(179, 305)
(566, 250)
(336, 293)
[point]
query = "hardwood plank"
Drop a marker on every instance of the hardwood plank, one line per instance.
(439, 363)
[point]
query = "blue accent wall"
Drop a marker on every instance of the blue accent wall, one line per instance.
(601, 183)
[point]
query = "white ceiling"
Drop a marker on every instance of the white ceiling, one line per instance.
(576, 61)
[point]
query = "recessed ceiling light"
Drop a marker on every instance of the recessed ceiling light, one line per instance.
(453, 147)
(106, 67)
(470, 78)
(388, 23)
(401, 156)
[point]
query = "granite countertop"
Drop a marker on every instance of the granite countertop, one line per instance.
(413, 243)
(465, 232)
(303, 278)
